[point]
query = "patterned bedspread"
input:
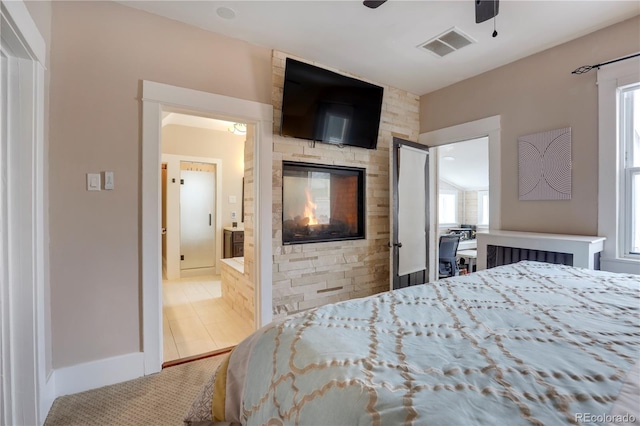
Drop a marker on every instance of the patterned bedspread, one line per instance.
(529, 343)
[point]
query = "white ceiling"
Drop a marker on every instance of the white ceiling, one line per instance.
(380, 44)
(465, 164)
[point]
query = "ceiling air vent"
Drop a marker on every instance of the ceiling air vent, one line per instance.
(447, 42)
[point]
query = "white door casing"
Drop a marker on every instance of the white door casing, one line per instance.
(26, 391)
(155, 97)
(489, 127)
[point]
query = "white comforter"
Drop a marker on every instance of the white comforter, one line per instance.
(529, 343)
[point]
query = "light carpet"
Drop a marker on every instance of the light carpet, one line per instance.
(158, 399)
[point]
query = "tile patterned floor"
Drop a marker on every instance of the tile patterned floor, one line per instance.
(196, 319)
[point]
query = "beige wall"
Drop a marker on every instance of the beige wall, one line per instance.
(535, 94)
(100, 53)
(198, 142)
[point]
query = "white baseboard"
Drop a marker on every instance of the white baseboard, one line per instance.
(95, 374)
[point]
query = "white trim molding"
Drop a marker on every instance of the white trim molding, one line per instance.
(25, 388)
(95, 374)
(489, 127)
(485, 127)
(157, 96)
(610, 78)
(18, 26)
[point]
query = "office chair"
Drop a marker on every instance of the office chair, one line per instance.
(448, 265)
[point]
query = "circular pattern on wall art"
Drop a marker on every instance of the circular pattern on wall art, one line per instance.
(529, 175)
(544, 165)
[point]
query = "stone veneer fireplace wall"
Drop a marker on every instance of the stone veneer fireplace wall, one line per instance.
(310, 275)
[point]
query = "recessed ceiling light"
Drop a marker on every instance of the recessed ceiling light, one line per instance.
(448, 158)
(226, 12)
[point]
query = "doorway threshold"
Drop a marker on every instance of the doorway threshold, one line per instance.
(198, 357)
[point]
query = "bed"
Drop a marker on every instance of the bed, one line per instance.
(527, 343)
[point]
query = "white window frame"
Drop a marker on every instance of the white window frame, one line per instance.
(627, 175)
(611, 165)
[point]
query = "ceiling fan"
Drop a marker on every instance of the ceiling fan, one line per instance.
(373, 4)
(485, 9)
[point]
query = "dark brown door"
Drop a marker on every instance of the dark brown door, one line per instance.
(410, 223)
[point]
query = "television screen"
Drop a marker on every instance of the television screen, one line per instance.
(324, 106)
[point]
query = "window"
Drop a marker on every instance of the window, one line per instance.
(483, 208)
(629, 119)
(619, 165)
(447, 207)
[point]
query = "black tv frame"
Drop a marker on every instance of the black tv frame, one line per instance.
(343, 95)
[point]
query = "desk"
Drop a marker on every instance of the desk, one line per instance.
(467, 245)
(470, 257)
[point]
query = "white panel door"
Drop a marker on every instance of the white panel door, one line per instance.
(197, 219)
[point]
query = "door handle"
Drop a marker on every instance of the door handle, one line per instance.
(209, 219)
(394, 245)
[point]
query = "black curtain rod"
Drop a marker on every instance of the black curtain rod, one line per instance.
(586, 68)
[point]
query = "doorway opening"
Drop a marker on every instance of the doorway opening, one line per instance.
(203, 168)
(462, 188)
(159, 97)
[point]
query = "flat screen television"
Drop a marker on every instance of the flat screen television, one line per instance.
(324, 106)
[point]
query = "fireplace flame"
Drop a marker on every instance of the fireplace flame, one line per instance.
(310, 208)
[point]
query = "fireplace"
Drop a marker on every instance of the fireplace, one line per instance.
(321, 203)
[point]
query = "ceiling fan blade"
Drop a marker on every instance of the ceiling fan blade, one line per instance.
(486, 9)
(373, 3)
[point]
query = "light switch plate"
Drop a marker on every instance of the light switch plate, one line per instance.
(232, 199)
(93, 181)
(108, 180)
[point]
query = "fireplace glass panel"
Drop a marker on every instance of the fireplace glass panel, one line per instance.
(321, 203)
